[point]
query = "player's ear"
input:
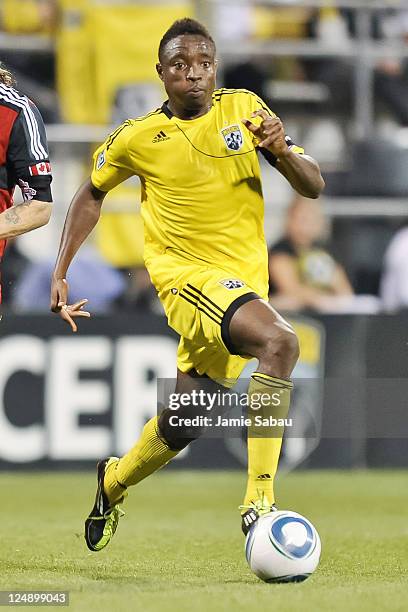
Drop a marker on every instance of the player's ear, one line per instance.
(159, 70)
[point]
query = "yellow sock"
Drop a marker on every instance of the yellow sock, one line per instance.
(148, 455)
(264, 443)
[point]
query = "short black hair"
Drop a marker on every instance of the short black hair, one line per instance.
(184, 26)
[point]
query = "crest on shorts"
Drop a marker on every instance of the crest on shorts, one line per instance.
(233, 137)
(232, 283)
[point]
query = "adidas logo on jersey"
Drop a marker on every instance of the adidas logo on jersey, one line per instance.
(264, 477)
(160, 137)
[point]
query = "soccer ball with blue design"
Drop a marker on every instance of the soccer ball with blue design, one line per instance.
(283, 546)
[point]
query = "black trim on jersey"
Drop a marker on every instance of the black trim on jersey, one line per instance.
(157, 111)
(201, 294)
(165, 109)
(290, 142)
(235, 154)
(98, 194)
(270, 157)
(203, 304)
(224, 92)
(217, 97)
(112, 137)
(199, 308)
(229, 313)
(116, 133)
(217, 94)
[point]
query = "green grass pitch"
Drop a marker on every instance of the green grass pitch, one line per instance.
(179, 547)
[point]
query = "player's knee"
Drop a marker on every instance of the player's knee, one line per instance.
(281, 342)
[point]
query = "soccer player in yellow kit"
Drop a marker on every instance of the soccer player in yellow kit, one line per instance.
(205, 250)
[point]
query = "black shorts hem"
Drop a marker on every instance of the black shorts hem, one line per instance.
(229, 313)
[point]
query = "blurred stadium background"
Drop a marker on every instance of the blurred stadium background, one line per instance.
(337, 73)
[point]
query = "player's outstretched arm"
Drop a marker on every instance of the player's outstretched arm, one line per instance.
(23, 218)
(82, 216)
(302, 171)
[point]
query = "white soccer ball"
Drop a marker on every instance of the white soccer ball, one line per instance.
(283, 546)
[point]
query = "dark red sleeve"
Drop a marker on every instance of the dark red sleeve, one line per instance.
(7, 119)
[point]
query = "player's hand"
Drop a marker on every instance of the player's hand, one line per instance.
(270, 134)
(59, 299)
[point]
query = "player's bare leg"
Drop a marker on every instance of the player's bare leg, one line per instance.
(257, 330)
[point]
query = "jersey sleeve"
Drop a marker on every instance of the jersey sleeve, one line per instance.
(256, 103)
(111, 163)
(28, 162)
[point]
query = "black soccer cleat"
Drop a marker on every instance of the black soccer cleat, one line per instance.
(103, 519)
(253, 513)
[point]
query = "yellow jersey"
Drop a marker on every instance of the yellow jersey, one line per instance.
(201, 185)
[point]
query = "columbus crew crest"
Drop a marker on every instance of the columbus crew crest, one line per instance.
(232, 283)
(233, 137)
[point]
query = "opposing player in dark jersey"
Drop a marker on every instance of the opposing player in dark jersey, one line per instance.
(24, 162)
(202, 206)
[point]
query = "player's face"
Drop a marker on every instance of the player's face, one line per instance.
(188, 70)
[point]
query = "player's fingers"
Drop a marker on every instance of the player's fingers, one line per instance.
(273, 132)
(78, 305)
(273, 124)
(79, 313)
(251, 126)
(273, 136)
(66, 316)
(262, 113)
(268, 141)
(76, 309)
(264, 143)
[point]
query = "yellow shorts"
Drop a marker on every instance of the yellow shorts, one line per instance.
(199, 302)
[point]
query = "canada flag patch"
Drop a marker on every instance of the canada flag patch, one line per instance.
(41, 168)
